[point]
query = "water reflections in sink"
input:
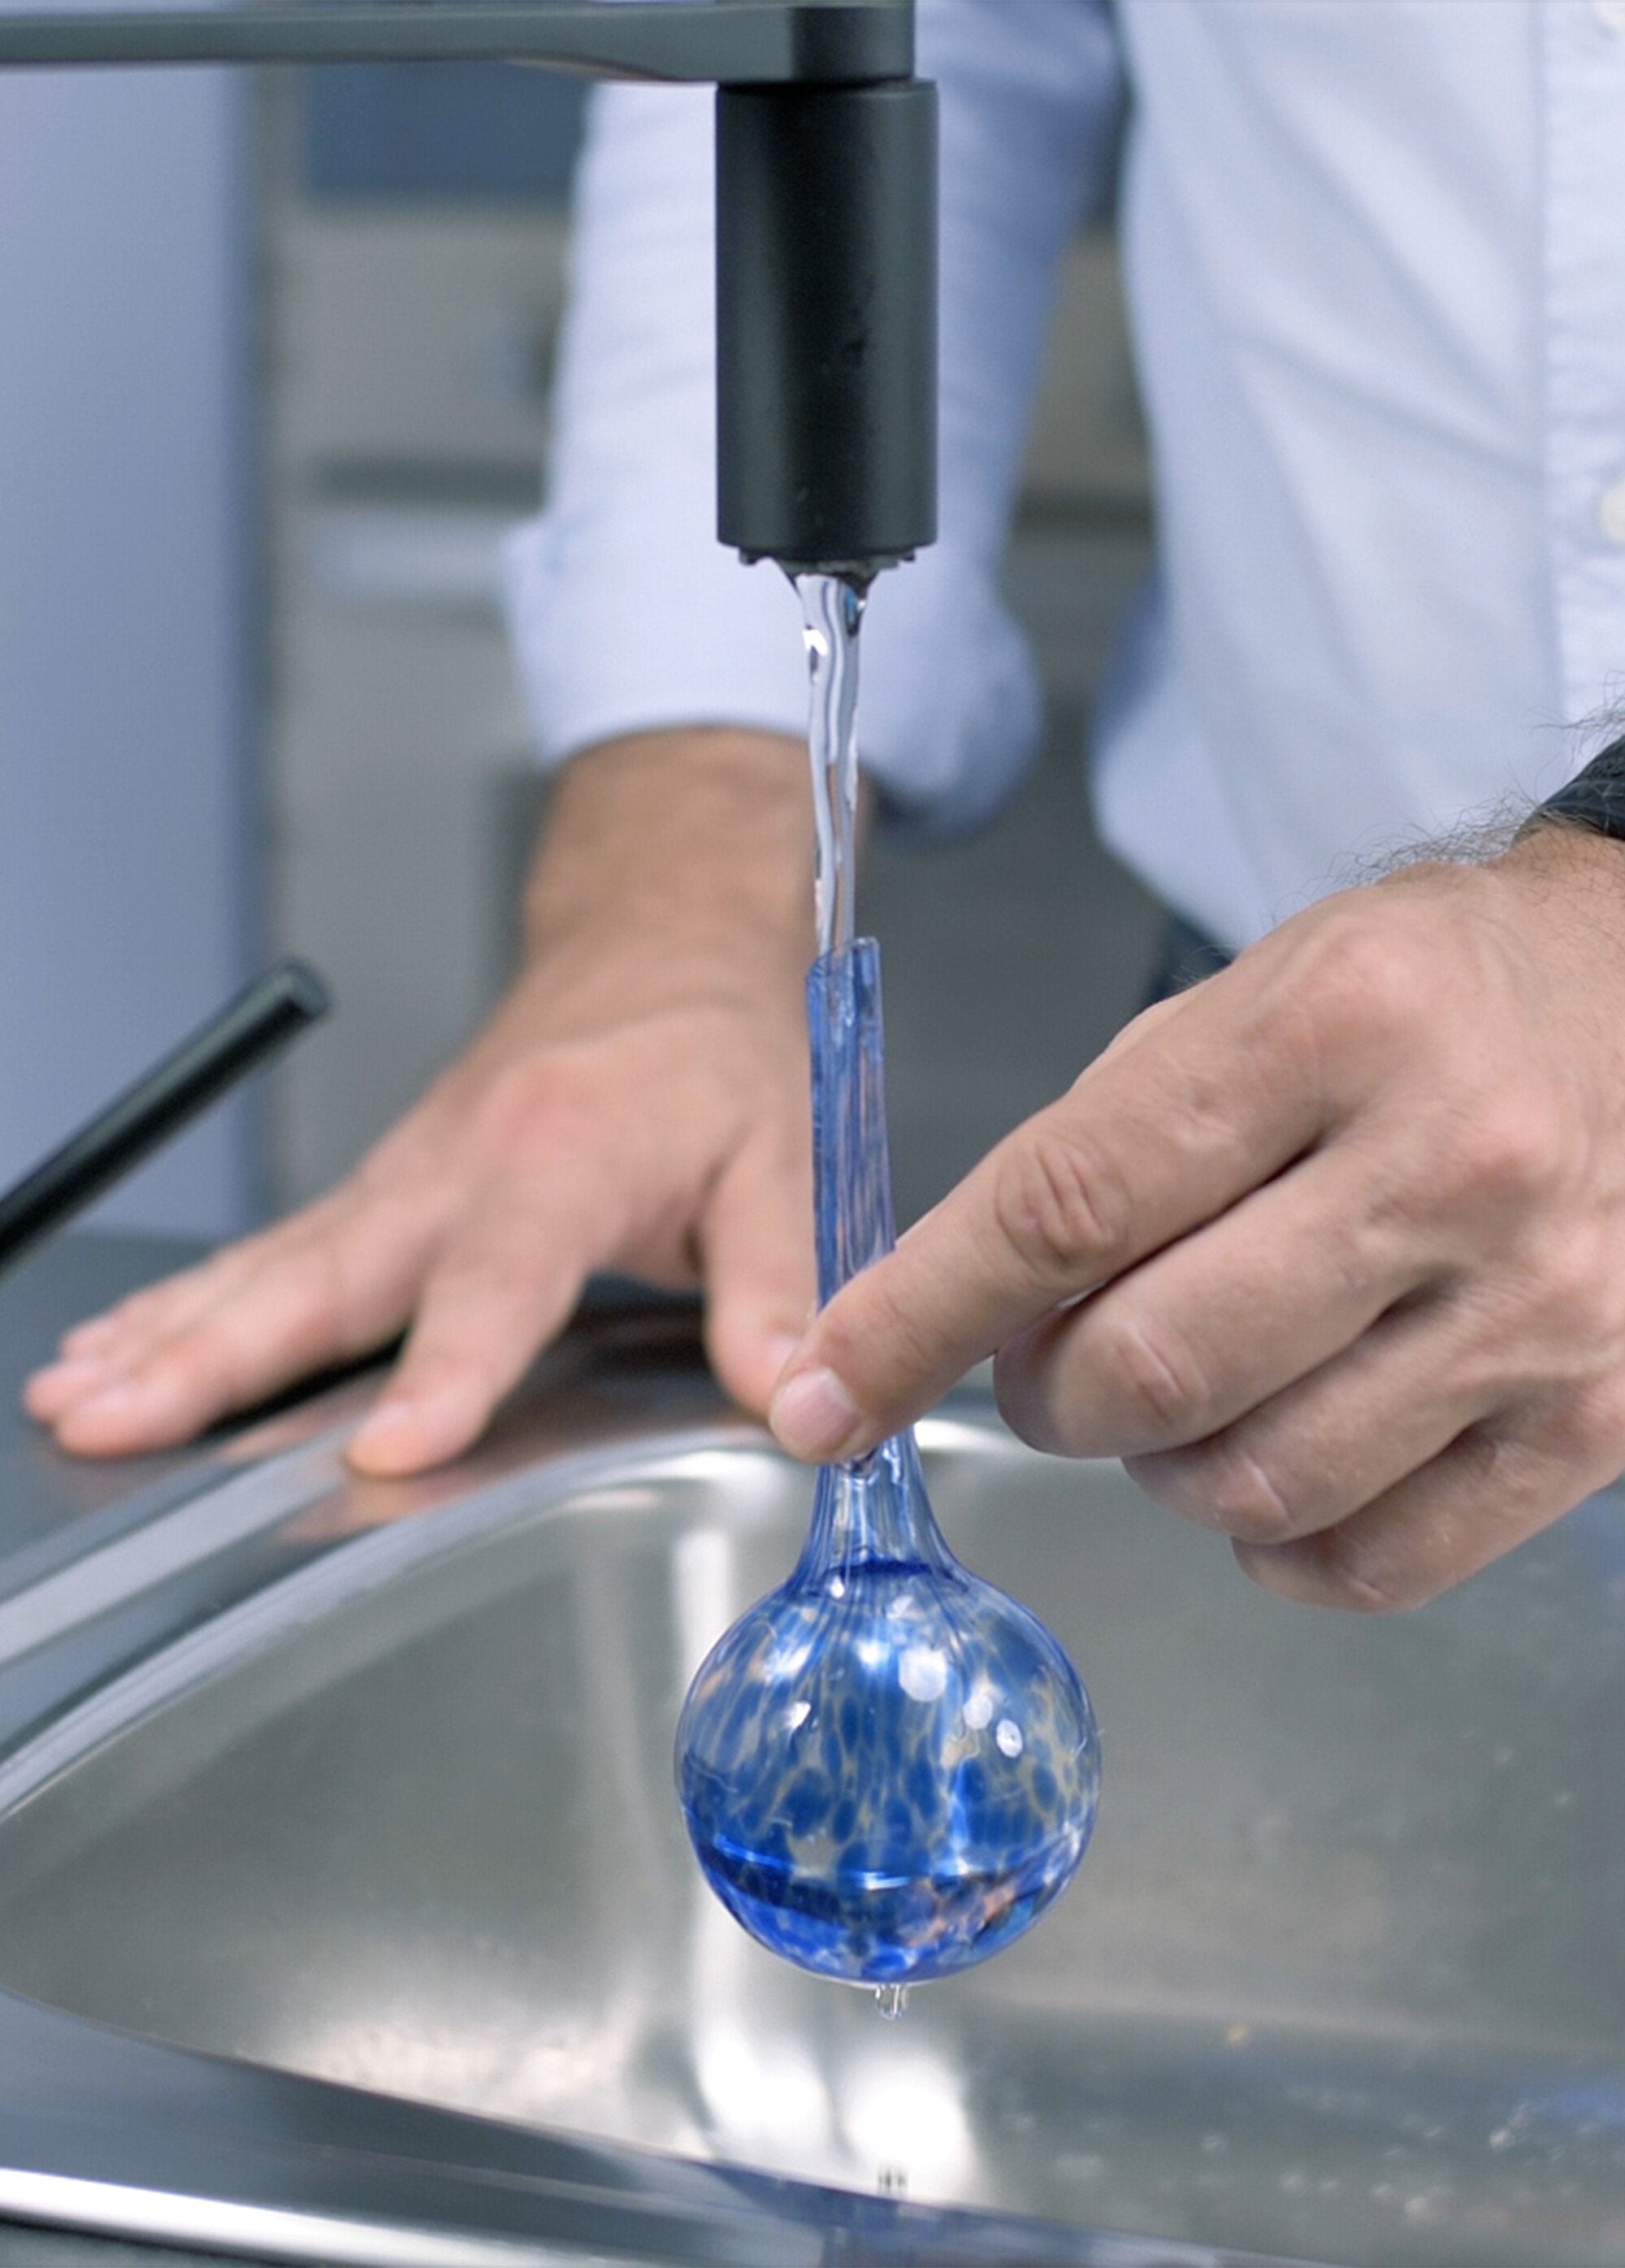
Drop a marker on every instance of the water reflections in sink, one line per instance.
(1344, 1978)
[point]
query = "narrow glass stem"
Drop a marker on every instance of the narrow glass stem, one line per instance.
(851, 1154)
(876, 1509)
(833, 610)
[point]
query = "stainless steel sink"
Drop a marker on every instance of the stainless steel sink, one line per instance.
(1342, 1980)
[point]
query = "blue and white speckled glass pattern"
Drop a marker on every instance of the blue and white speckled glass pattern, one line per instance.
(887, 1768)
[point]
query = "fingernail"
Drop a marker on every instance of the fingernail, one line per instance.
(111, 1400)
(72, 1370)
(391, 1442)
(385, 1419)
(781, 1346)
(813, 1415)
(59, 1385)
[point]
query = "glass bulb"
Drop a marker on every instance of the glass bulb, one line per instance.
(887, 1768)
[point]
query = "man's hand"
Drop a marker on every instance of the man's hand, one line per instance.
(638, 1101)
(1331, 1250)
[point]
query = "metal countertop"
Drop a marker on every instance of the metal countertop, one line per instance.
(42, 1492)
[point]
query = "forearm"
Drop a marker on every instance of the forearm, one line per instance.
(691, 849)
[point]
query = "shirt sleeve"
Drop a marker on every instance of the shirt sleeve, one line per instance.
(627, 614)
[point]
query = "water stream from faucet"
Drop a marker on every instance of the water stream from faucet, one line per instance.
(831, 608)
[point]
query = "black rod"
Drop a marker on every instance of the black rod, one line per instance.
(273, 1011)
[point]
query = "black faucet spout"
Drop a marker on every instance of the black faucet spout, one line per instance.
(826, 323)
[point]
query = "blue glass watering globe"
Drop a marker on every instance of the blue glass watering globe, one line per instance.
(887, 1768)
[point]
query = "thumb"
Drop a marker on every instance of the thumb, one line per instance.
(757, 1241)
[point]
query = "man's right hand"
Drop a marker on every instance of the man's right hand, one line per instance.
(638, 1101)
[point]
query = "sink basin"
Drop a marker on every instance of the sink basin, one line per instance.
(1342, 1978)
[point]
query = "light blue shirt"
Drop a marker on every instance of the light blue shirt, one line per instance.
(1375, 258)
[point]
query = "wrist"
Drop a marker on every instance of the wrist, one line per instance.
(689, 851)
(1555, 852)
(1593, 801)
(1562, 895)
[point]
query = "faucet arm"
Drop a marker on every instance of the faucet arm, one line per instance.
(733, 42)
(826, 216)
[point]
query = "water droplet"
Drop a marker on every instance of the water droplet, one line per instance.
(1007, 1734)
(891, 2000)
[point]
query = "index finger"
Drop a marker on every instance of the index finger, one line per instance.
(506, 1283)
(1159, 1136)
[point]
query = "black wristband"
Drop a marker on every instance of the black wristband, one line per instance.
(1594, 797)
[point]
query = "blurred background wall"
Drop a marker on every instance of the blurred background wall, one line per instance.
(128, 896)
(275, 395)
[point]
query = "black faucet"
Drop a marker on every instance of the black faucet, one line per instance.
(826, 216)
